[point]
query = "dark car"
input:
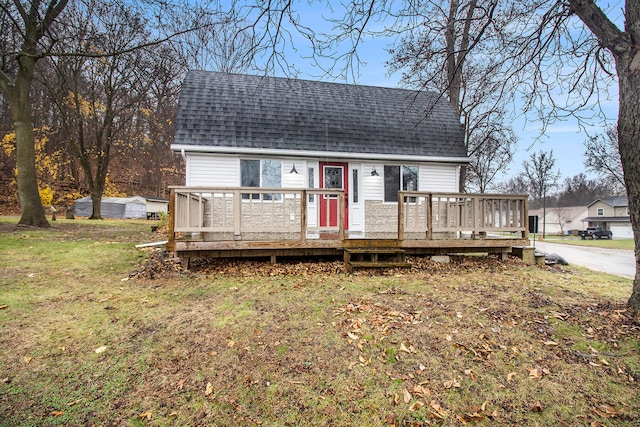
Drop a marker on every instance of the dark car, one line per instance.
(596, 233)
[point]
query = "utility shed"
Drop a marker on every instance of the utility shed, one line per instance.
(113, 207)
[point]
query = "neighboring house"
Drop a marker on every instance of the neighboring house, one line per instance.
(252, 131)
(561, 220)
(123, 207)
(611, 213)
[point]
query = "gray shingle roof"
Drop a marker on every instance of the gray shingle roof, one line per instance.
(256, 112)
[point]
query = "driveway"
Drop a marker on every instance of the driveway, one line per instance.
(620, 262)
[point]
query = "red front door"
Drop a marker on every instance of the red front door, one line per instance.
(333, 175)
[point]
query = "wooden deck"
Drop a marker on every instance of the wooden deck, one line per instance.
(258, 222)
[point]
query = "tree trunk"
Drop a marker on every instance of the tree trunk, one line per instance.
(28, 194)
(628, 137)
(96, 202)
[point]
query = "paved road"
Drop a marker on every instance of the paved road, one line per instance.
(620, 262)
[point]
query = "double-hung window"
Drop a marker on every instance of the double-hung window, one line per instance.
(398, 178)
(261, 173)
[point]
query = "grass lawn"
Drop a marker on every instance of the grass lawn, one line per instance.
(600, 243)
(96, 332)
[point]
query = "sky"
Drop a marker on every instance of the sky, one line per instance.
(566, 138)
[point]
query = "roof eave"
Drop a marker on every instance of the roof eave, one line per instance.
(183, 148)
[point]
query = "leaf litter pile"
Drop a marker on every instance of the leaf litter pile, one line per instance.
(232, 342)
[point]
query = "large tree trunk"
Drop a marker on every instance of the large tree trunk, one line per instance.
(629, 146)
(96, 202)
(28, 194)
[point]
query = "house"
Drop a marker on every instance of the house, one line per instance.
(287, 167)
(123, 207)
(611, 213)
(255, 131)
(560, 220)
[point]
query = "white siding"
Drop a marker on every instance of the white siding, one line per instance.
(215, 171)
(438, 178)
(294, 180)
(372, 186)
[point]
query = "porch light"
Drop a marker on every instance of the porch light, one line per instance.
(293, 169)
(374, 172)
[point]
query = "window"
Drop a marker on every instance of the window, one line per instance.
(261, 173)
(354, 187)
(311, 183)
(600, 211)
(394, 182)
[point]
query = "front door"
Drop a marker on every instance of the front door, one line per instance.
(333, 175)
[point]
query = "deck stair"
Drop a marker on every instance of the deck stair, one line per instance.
(374, 257)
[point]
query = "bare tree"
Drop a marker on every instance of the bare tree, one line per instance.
(32, 30)
(539, 171)
(454, 52)
(602, 156)
(490, 155)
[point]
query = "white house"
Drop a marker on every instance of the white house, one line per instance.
(256, 131)
(561, 220)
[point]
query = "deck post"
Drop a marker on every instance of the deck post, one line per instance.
(341, 215)
(237, 214)
(476, 216)
(303, 215)
(172, 220)
(524, 218)
(430, 216)
(400, 216)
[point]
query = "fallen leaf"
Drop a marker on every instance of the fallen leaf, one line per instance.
(148, 415)
(416, 405)
(439, 411)
(231, 344)
(550, 343)
(101, 349)
(470, 374)
(107, 298)
(352, 364)
(406, 395)
(2, 307)
(56, 413)
(75, 402)
(448, 337)
(181, 384)
(511, 376)
(404, 348)
(535, 373)
(535, 407)
(26, 359)
(353, 336)
(209, 389)
(420, 390)
(452, 383)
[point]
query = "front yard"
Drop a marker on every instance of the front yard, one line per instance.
(96, 332)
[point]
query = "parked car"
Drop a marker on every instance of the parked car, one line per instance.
(596, 233)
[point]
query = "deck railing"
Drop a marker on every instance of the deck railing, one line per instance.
(427, 214)
(239, 213)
